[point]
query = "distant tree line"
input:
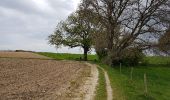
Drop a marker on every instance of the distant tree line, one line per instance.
(119, 30)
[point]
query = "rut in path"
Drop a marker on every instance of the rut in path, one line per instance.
(108, 86)
(92, 83)
(89, 88)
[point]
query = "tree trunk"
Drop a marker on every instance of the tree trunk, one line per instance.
(85, 54)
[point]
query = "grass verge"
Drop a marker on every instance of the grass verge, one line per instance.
(101, 93)
(124, 88)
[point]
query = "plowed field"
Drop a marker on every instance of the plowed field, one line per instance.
(25, 79)
(21, 55)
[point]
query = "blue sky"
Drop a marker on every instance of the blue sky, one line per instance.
(26, 24)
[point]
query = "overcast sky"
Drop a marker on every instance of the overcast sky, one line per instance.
(26, 24)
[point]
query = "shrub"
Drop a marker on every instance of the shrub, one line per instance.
(102, 53)
(128, 57)
(132, 57)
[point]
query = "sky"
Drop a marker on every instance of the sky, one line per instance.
(26, 24)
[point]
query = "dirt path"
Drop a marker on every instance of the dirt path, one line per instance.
(90, 85)
(108, 86)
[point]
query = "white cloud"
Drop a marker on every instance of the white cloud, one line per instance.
(26, 24)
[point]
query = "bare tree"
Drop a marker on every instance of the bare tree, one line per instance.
(129, 23)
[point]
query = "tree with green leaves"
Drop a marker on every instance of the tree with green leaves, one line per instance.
(73, 32)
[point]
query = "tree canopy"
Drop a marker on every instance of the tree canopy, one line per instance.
(73, 32)
(115, 28)
(128, 23)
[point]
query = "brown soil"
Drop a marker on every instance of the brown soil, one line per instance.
(91, 84)
(84, 87)
(21, 55)
(108, 87)
(32, 79)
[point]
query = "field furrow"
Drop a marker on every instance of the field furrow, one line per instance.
(24, 79)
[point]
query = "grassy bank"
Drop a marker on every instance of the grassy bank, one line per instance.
(158, 80)
(66, 56)
(124, 88)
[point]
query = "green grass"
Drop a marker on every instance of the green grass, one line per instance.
(158, 79)
(158, 60)
(66, 56)
(101, 93)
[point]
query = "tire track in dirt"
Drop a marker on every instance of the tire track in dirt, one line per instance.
(108, 86)
(90, 85)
